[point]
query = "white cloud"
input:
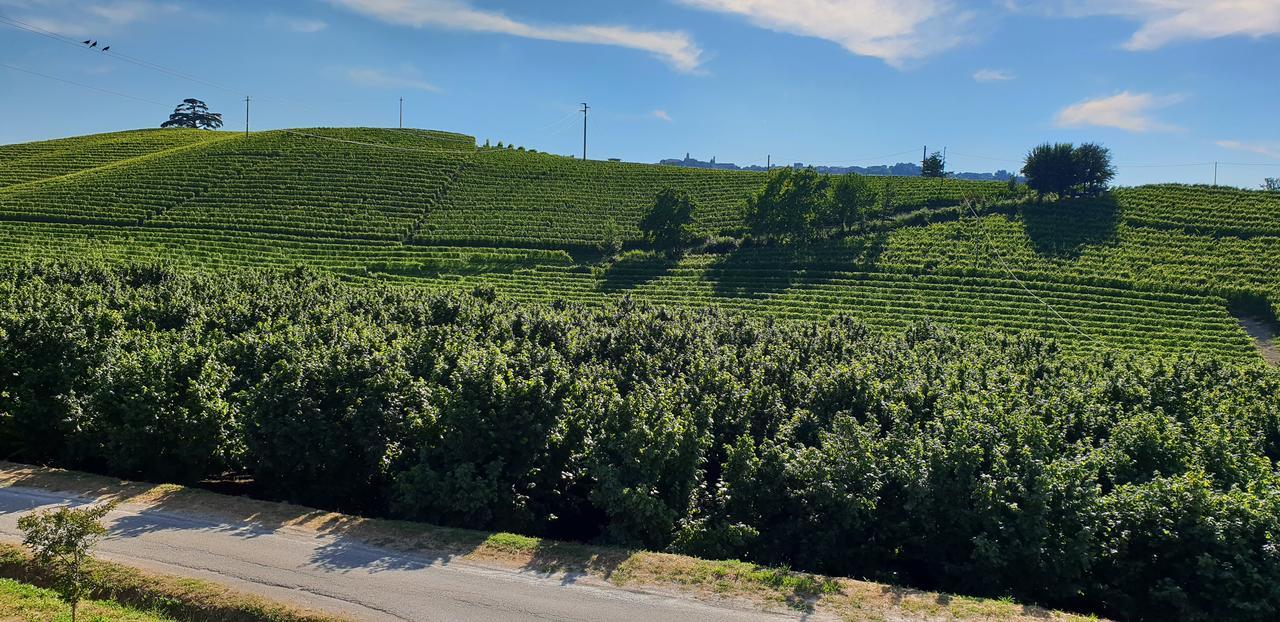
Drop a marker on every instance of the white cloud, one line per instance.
(992, 75)
(407, 78)
(75, 19)
(1167, 21)
(661, 115)
(1126, 111)
(895, 31)
(297, 24)
(674, 47)
(1267, 151)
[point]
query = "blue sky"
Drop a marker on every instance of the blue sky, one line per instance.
(1165, 83)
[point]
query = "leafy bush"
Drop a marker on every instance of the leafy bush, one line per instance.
(990, 464)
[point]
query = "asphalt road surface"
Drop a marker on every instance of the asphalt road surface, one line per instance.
(344, 576)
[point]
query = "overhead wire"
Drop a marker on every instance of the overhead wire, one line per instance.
(1009, 271)
(116, 54)
(9, 21)
(82, 85)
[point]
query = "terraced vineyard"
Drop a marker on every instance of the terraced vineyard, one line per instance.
(1149, 269)
(512, 197)
(42, 160)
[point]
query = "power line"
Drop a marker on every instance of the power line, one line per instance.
(996, 253)
(33, 29)
(9, 21)
(82, 85)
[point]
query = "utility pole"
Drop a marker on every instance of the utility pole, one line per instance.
(1215, 174)
(768, 162)
(246, 116)
(924, 157)
(585, 108)
(402, 113)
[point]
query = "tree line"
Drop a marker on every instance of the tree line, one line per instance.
(993, 464)
(802, 204)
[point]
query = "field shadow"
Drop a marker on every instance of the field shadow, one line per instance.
(762, 271)
(1065, 229)
(635, 269)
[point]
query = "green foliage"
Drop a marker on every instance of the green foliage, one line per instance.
(853, 201)
(1271, 184)
(667, 222)
(162, 410)
(988, 464)
(193, 114)
(61, 541)
(933, 166)
(1066, 170)
(791, 204)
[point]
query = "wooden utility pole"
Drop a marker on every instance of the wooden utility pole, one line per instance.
(246, 116)
(402, 113)
(585, 108)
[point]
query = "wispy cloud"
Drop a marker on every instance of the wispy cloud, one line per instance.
(297, 24)
(661, 115)
(72, 18)
(1126, 111)
(992, 75)
(1162, 22)
(673, 47)
(1267, 151)
(407, 78)
(895, 31)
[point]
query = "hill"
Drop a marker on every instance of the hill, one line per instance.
(1152, 269)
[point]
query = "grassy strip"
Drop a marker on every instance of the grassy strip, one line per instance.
(771, 588)
(188, 600)
(20, 601)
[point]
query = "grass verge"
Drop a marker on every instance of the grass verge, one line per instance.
(734, 581)
(28, 603)
(123, 590)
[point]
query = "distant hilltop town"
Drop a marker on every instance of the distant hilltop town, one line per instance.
(904, 169)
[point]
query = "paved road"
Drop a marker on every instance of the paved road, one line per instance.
(344, 576)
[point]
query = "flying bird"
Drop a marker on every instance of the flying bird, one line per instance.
(94, 44)
(106, 48)
(86, 42)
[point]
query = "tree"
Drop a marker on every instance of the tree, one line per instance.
(194, 114)
(1066, 170)
(1093, 170)
(933, 166)
(61, 540)
(882, 209)
(791, 203)
(853, 200)
(611, 242)
(1271, 184)
(1049, 169)
(666, 223)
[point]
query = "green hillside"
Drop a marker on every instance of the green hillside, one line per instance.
(1150, 269)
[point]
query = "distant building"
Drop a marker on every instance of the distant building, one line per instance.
(901, 169)
(689, 162)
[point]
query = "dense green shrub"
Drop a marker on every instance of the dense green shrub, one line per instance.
(991, 464)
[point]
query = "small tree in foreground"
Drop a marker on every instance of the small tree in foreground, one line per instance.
(666, 223)
(61, 540)
(194, 114)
